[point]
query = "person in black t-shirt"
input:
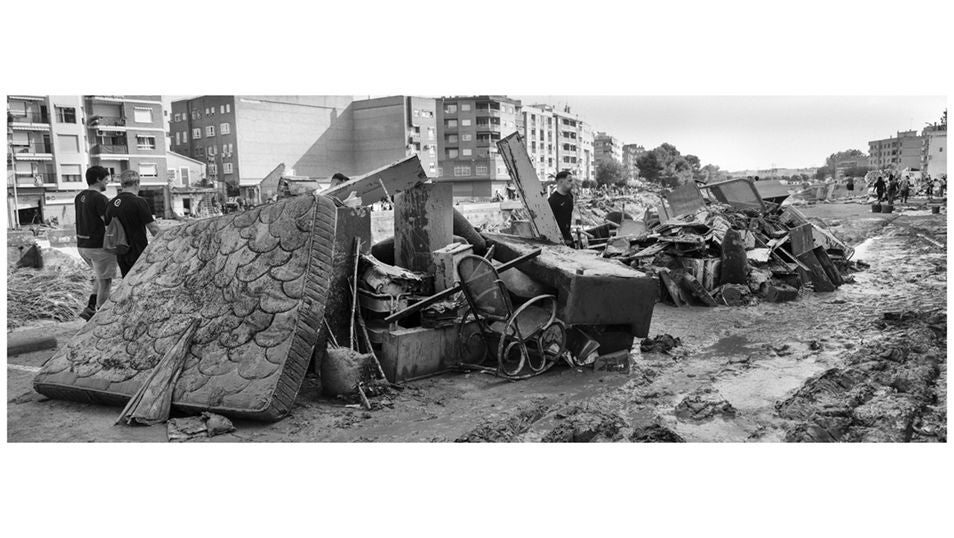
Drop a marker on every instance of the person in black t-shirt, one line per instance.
(561, 202)
(134, 214)
(90, 208)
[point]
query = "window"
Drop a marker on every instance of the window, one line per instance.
(210, 131)
(211, 150)
(465, 123)
(222, 109)
(467, 152)
(67, 143)
(225, 128)
(148, 170)
(145, 142)
(467, 137)
(450, 108)
(451, 139)
(227, 149)
(213, 169)
(461, 171)
(196, 133)
(451, 124)
(465, 107)
(185, 136)
(482, 170)
(417, 113)
(199, 152)
(177, 139)
(227, 168)
(432, 150)
(71, 173)
(184, 174)
(65, 114)
(196, 115)
(440, 171)
(142, 115)
(452, 153)
(175, 117)
(430, 133)
(228, 109)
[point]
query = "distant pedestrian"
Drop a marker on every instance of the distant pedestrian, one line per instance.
(939, 187)
(892, 189)
(905, 189)
(134, 214)
(929, 188)
(879, 188)
(90, 208)
(850, 186)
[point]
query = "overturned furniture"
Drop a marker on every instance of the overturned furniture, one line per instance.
(252, 286)
(527, 340)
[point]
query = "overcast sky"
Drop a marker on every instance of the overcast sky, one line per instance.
(739, 133)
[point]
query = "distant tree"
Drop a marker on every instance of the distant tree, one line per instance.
(823, 172)
(610, 173)
(711, 173)
(588, 184)
(849, 154)
(649, 166)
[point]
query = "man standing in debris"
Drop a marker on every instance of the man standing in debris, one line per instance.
(134, 214)
(892, 188)
(90, 213)
(561, 202)
(905, 187)
(879, 188)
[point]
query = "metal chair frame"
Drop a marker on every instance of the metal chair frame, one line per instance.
(509, 337)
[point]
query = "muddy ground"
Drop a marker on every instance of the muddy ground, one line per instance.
(864, 363)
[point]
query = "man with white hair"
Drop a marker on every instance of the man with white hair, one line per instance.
(136, 217)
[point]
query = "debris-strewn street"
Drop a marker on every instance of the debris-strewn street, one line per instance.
(866, 362)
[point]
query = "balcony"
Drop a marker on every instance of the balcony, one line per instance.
(28, 118)
(37, 177)
(488, 113)
(105, 122)
(34, 148)
(103, 149)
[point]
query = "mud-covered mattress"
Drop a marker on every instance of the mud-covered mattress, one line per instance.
(256, 281)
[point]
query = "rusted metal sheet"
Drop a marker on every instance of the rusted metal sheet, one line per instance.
(738, 193)
(685, 199)
(423, 223)
(543, 224)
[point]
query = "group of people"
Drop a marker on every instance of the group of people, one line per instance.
(94, 212)
(888, 191)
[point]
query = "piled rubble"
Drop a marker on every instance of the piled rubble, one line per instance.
(722, 255)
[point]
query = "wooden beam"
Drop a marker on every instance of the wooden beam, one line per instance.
(423, 223)
(513, 150)
(395, 177)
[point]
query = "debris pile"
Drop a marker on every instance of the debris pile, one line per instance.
(718, 253)
(56, 292)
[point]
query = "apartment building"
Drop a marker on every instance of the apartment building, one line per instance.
(126, 132)
(631, 154)
(897, 153)
(243, 138)
(468, 128)
(388, 129)
(573, 142)
(934, 150)
(607, 148)
(539, 133)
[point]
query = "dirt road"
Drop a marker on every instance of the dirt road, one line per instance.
(864, 363)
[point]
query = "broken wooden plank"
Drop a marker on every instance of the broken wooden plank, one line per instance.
(833, 274)
(651, 250)
(819, 278)
(670, 286)
(802, 239)
(693, 286)
(543, 224)
(395, 177)
(423, 223)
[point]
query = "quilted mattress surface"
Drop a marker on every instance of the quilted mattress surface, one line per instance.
(257, 283)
